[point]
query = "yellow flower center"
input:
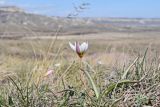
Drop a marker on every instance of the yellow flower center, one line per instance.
(80, 54)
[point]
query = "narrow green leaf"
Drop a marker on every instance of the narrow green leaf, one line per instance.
(127, 70)
(92, 83)
(143, 61)
(2, 101)
(10, 101)
(113, 85)
(144, 56)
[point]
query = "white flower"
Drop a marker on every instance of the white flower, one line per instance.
(79, 49)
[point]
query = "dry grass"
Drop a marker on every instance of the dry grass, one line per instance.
(23, 64)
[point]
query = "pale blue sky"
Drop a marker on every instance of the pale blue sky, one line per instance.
(97, 8)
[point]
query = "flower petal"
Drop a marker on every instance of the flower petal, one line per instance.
(78, 50)
(84, 47)
(49, 72)
(72, 46)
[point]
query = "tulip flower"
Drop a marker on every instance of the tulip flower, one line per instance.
(80, 49)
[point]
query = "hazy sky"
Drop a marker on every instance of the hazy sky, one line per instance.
(97, 8)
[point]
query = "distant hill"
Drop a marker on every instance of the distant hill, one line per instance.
(15, 22)
(10, 9)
